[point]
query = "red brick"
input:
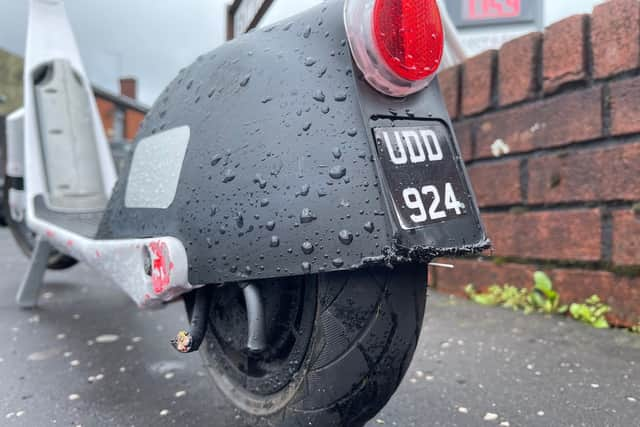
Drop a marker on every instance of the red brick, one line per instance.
(626, 238)
(621, 293)
(551, 235)
(132, 120)
(518, 60)
(496, 184)
(106, 110)
(477, 87)
(608, 174)
(615, 36)
(480, 273)
(564, 54)
(625, 108)
(558, 121)
(449, 80)
(464, 135)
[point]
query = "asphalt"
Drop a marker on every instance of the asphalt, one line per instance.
(88, 356)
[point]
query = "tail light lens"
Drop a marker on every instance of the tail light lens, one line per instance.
(397, 44)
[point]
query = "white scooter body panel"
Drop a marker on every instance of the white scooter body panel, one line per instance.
(149, 270)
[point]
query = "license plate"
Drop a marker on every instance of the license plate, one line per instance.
(421, 171)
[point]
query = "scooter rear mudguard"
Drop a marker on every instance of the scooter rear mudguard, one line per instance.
(264, 157)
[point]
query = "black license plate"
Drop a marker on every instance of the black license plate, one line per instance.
(421, 170)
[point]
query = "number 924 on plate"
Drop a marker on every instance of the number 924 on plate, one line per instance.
(422, 174)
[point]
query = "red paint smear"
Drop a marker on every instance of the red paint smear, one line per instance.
(50, 233)
(98, 254)
(69, 242)
(161, 266)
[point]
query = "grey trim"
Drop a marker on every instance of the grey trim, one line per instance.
(155, 169)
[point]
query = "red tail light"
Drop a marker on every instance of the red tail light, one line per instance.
(408, 34)
(397, 44)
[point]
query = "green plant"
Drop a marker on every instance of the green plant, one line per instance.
(592, 311)
(543, 298)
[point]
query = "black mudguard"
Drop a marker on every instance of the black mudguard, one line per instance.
(275, 116)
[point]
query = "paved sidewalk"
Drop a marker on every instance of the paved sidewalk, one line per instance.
(88, 356)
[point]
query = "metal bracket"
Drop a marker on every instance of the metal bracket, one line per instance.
(29, 291)
(257, 337)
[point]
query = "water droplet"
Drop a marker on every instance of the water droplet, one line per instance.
(190, 84)
(306, 216)
(245, 80)
(260, 181)
(216, 159)
(345, 237)
(337, 172)
(264, 202)
(228, 176)
(275, 242)
(306, 266)
(239, 220)
(307, 32)
(325, 109)
(340, 97)
(304, 190)
(307, 247)
(336, 152)
(319, 96)
(368, 227)
(352, 132)
(309, 61)
(271, 225)
(306, 126)
(322, 72)
(337, 262)
(213, 210)
(267, 99)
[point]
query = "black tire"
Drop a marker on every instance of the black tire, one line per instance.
(23, 236)
(355, 333)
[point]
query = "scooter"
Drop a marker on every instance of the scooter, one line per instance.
(291, 185)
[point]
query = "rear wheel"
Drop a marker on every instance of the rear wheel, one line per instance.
(338, 346)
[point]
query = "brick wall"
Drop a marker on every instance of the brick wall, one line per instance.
(565, 198)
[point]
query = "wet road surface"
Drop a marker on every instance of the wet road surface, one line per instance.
(88, 356)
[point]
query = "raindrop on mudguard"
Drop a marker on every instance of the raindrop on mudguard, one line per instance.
(306, 266)
(368, 227)
(270, 225)
(248, 270)
(336, 152)
(307, 32)
(352, 132)
(260, 181)
(306, 216)
(209, 242)
(264, 202)
(306, 126)
(307, 247)
(239, 220)
(228, 176)
(325, 109)
(216, 159)
(309, 61)
(337, 262)
(340, 97)
(212, 210)
(304, 190)
(345, 237)
(245, 80)
(233, 268)
(319, 96)
(337, 172)
(275, 242)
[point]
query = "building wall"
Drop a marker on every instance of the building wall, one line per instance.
(10, 82)
(565, 198)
